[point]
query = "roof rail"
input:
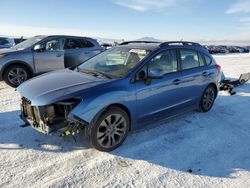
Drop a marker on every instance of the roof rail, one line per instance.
(137, 41)
(179, 42)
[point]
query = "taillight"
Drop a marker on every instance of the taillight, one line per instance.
(218, 67)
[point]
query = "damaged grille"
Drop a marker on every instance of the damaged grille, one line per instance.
(47, 118)
(31, 113)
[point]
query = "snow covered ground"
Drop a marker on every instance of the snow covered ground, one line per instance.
(195, 150)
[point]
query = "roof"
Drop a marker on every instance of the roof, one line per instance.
(146, 46)
(151, 45)
(59, 36)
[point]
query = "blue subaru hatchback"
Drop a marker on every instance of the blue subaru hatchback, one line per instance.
(121, 89)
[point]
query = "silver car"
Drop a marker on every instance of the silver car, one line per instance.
(42, 54)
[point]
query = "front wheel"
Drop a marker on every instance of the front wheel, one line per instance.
(207, 99)
(109, 130)
(15, 75)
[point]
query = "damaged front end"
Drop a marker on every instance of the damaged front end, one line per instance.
(50, 118)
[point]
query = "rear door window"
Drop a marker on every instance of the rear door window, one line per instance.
(189, 59)
(73, 43)
(87, 44)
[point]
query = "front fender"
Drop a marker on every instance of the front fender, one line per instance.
(90, 107)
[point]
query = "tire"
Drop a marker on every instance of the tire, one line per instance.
(109, 130)
(15, 75)
(207, 99)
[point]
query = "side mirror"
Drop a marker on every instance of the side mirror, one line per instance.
(155, 73)
(142, 75)
(38, 47)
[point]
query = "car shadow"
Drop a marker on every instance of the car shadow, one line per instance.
(214, 144)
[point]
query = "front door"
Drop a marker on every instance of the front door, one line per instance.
(162, 97)
(50, 57)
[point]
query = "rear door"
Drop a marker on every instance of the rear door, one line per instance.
(78, 50)
(194, 75)
(50, 57)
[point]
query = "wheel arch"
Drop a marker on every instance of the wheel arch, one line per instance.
(121, 106)
(113, 105)
(17, 62)
(215, 87)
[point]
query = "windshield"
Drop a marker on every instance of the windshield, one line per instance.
(29, 42)
(115, 62)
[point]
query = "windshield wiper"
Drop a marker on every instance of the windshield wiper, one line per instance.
(104, 74)
(94, 73)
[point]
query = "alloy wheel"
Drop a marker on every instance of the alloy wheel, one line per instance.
(16, 76)
(208, 98)
(111, 130)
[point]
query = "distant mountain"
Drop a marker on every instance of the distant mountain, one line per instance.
(149, 39)
(106, 40)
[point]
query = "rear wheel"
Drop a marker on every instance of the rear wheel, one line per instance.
(109, 130)
(15, 75)
(207, 99)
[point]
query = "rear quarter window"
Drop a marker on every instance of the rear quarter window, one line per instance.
(208, 60)
(202, 60)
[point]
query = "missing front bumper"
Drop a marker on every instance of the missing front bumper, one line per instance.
(47, 119)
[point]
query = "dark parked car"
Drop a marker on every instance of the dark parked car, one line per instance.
(106, 46)
(242, 49)
(42, 54)
(233, 49)
(19, 40)
(213, 49)
(122, 89)
(6, 42)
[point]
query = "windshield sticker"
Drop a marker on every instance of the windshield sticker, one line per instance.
(138, 51)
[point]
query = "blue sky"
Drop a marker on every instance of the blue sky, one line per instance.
(129, 19)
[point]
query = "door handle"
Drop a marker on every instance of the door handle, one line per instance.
(176, 82)
(58, 55)
(205, 74)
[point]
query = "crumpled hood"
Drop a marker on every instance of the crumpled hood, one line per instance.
(57, 86)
